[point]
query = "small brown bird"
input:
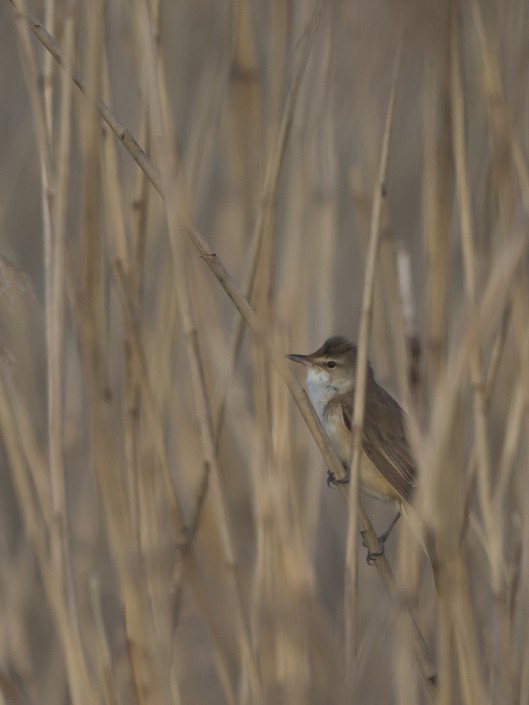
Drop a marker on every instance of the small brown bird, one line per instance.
(387, 469)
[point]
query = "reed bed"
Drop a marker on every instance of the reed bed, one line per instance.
(288, 171)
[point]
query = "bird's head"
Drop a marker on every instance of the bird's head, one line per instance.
(332, 366)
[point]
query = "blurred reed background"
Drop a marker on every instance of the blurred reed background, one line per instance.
(166, 532)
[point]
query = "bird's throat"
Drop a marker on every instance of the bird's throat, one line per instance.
(320, 391)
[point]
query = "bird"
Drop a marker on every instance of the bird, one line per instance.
(387, 467)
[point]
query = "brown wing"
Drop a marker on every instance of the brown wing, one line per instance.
(384, 439)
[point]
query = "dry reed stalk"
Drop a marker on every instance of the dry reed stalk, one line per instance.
(175, 221)
(263, 231)
(456, 607)
(228, 284)
(436, 214)
(54, 187)
(471, 669)
(504, 141)
(76, 666)
(311, 302)
(101, 648)
(361, 370)
(469, 258)
(166, 612)
(184, 536)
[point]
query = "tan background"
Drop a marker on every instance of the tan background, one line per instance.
(101, 597)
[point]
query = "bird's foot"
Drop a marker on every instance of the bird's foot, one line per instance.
(371, 555)
(332, 480)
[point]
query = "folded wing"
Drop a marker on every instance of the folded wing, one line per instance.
(384, 439)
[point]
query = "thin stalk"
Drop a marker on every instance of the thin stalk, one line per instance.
(361, 369)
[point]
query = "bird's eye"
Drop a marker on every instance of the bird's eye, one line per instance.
(331, 364)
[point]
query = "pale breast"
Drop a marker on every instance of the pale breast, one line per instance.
(319, 390)
(328, 406)
(339, 435)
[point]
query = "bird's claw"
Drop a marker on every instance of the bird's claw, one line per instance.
(332, 480)
(371, 555)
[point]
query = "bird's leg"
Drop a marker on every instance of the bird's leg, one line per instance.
(371, 555)
(388, 531)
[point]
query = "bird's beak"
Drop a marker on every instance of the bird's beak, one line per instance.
(303, 359)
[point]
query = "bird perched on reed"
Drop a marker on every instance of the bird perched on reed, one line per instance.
(387, 469)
